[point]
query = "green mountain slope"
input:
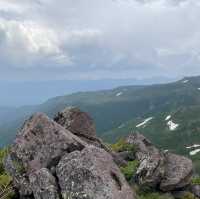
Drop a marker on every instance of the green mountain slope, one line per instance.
(125, 107)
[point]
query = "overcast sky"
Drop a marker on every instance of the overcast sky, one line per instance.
(94, 39)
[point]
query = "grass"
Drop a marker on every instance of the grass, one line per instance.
(6, 189)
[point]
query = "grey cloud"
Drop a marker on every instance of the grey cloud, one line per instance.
(98, 38)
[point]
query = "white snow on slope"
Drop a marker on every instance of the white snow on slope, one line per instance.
(194, 152)
(118, 94)
(144, 122)
(198, 88)
(185, 81)
(121, 126)
(172, 126)
(168, 117)
(193, 146)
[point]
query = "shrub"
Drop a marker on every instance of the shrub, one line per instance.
(121, 145)
(130, 170)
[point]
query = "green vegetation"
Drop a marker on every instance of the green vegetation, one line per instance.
(196, 181)
(121, 146)
(155, 195)
(189, 195)
(19, 166)
(130, 170)
(6, 190)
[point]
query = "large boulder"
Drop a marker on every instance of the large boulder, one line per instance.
(39, 144)
(160, 169)
(82, 125)
(195, 189)
(44, 185)
(42, 142)
(178, 172)
(77, 122)
(151, 168)
(91, 174)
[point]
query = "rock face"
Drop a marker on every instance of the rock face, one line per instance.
(43, 184)
(82, 125)
(77, 122)
(82, 175)
(178, 172)
(151, 168)
(158, 169)
(41, 143)
(48, 161)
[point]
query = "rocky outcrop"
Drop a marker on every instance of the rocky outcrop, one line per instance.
(43, 184)
(158, 169)
(91, 174)
(178, 172)
(195, 189)
(81, 124)
(151, 168)
(48, 161)
(42, 142)
(77, 122)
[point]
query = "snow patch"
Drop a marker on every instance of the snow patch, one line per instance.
(121, 126)
(194, 152)
(168, 117)
(193, 146)
(172, 126)
(118, 94)
(185, 81)
(144, 122)
(198, 88)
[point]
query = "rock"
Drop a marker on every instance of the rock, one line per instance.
(158, 169)
(44, 185)
(41, 142)
(47, 161)
(20, 179)
(195, 189)
(82, 125)
(151, 168)
(127, 155)
(178, 172)
(77, 122)
(91, 173)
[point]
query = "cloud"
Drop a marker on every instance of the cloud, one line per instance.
(98, 38)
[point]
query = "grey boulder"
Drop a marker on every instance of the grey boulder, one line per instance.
(159, 169)
(151, 167)
(178, 172)
(44, 185)
(91, 174)
(42, 142)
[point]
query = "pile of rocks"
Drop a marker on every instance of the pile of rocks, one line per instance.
(63, 159)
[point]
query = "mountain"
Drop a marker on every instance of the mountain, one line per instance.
(31, 92)
(119, 111)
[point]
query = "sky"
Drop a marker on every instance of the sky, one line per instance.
(97, 39)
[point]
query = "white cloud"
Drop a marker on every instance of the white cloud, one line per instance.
(101, 37)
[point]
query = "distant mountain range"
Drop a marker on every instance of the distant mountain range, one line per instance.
(168, 114)
(36, 92)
